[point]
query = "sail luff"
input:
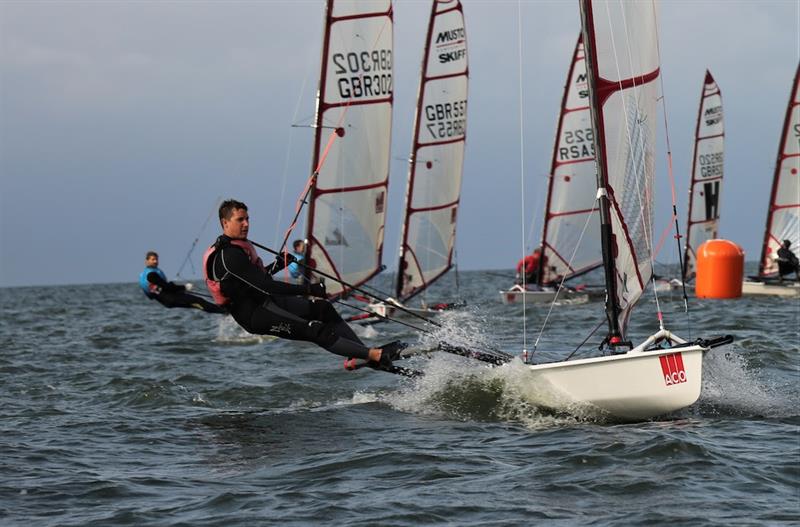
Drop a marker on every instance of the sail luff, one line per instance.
(783, 216)
(702, 221)
(347, 203)
(436, 160)
(612, 308)
(571, 184)
(623, 70)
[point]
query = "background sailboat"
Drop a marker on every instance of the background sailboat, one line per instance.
(664, 372)
(570, 208)
(783, 216)
(707, 171)
(347, 199)
(436, 162)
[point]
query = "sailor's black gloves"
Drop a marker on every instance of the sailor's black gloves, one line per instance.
(317, 290)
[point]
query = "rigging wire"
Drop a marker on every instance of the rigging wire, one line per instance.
(522, 180)
(188, 259)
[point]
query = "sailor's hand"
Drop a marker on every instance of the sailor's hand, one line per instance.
(317, 290)
(188, 286)
(281, 261)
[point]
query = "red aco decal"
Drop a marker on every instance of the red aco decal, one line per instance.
(672, 368)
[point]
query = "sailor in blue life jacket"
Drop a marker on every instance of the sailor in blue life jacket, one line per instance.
(298, 252)
(155, 286)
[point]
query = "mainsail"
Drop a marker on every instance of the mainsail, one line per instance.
(437, 155)
(623, 70)
(706, 183)
(572, 185)
(347, 208)
(783, 218)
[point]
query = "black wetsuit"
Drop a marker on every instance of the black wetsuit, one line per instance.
(262, 305)
(787, 262)
(174, 295)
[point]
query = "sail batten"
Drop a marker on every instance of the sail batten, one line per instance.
(347, 204)
(571, 185)
(623, 93)
(783, 218)
(437, 156)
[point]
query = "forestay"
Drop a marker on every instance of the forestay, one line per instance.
(707, 171)
(572, 185)
(437, 156)
(783, 218)
(623, 69)
(347, 208)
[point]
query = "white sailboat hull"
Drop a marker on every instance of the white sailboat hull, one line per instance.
(516, 295)
(789, 289)
(632, 386)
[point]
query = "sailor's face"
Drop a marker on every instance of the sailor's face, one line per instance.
(151, 261)
(237, 226)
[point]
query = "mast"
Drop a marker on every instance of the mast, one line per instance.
(622, 68)
(437, 154)
(702, 222)
(347, 199)
(783, 218)
(571, 185)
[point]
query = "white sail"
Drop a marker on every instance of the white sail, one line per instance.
(783, 218)
(437, 156)
(347, 208)
(707, 171)
(623, 70)
(572, 185)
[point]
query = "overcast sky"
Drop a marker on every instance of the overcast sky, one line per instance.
(121, 123)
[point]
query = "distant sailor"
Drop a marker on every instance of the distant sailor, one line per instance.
(155, 285)
(238, 280)
(298, 252)
(529, 267)
(787, 261)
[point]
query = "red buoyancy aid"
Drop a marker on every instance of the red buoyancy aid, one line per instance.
(214, 283)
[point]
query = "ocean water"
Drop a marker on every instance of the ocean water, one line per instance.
(117, 411)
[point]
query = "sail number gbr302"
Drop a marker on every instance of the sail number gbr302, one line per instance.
(363, 75)
(445, 120)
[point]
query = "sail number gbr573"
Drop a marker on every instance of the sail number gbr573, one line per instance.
(445, 120)
(367, 74)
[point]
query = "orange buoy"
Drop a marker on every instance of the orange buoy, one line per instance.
(720, 270)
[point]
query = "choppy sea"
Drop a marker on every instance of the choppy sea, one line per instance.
(117, 411)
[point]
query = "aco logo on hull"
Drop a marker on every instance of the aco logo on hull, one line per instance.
(672, 368)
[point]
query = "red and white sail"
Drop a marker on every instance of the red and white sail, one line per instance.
(437, 156)
(707, 171)
(347, 209)
(623, 70)
(572, 186)
(783, 218)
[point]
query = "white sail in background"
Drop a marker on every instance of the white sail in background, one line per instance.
(437, 156)
(707, 171)
(623, 69)
(347, 208)
(783, 218)
(572, 186)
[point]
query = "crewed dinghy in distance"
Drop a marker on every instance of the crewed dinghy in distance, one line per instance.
(570, 209)
(664, 373)
(783, 217)
(436, 163)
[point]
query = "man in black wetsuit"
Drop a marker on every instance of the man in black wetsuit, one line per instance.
(155, 286)
(238, 280)
(787, 261)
